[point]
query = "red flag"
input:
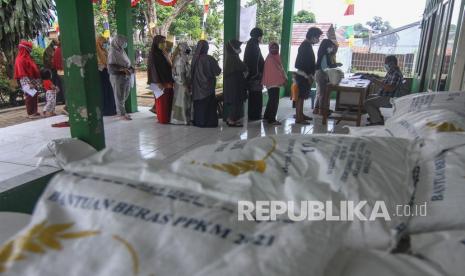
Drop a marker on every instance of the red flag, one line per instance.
(167, 2)
(349, 10)
(134, 3)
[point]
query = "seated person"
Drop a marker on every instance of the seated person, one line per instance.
(389, 87)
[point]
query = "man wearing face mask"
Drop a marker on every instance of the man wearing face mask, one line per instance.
(306, 67)
(390, 85)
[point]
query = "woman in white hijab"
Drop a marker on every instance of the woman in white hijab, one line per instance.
(181, 111)
(120, 69)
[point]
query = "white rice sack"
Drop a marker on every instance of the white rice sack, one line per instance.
(89, 225)
(60, 152)
(419, 125)
(453, 101)
(379, 131)
(335, 75)
(379, 263)
(441, 188)
(445, 249)
(367, 169)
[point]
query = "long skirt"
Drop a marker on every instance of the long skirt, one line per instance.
(108, 98)
(31, 104)
(181, 112)
(255, 105)
(235, 111)
(121, 87)
(205, 112)
(272, 105)
(163, 106)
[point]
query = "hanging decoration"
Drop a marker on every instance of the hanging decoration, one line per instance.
(167, 2)
(206, 7)
(134, 3)
(350, 11)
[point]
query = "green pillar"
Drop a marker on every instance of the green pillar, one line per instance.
(232, 18)
(286, 37)
(124, 27)
(232, 14)
(82, 81)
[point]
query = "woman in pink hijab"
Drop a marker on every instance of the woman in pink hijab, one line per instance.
(273, 79)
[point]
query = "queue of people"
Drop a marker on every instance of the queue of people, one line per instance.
(184, 84)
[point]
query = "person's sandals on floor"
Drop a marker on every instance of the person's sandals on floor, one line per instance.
(125, 117)
(234, 124)
(274, 122)
(34, 116)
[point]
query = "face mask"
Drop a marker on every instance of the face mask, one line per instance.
(125, 45)
(106, 45)
(330, 50)
(387, 67)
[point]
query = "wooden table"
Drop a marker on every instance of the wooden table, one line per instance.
(351, 96)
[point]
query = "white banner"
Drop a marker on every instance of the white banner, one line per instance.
(248, 22)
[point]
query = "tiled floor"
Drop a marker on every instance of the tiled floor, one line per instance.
(142, 137)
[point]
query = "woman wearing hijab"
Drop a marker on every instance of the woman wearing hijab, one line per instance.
(181, 111)
(325, 61)
(204, 71)
(160, 79)
(28, 75)
(108, 98)
(274, 77)
(306, 67)
(254, 60)
(235, 84)
(47, 58)
(120, 69)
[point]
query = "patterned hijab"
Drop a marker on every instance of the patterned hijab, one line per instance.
(117, 55)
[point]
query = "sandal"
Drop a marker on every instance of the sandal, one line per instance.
(274, 123)
(302, 123)
(234, 124)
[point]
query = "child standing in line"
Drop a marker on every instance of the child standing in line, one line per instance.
(50, 92)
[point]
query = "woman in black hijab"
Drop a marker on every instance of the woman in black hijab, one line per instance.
(235, 86)
(160, 79)
(204, 71)
(255, 63)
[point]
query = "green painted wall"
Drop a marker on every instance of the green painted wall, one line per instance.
(23, 198)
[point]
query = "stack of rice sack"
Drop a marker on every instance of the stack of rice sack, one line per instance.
(107, 217)
(436, 122)
(103, 216)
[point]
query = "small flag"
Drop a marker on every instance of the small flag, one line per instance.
(350, 10)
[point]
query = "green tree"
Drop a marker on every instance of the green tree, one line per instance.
(269, 18)
(304, 17)
(361, 31)
(22, 19)
(379, 25)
